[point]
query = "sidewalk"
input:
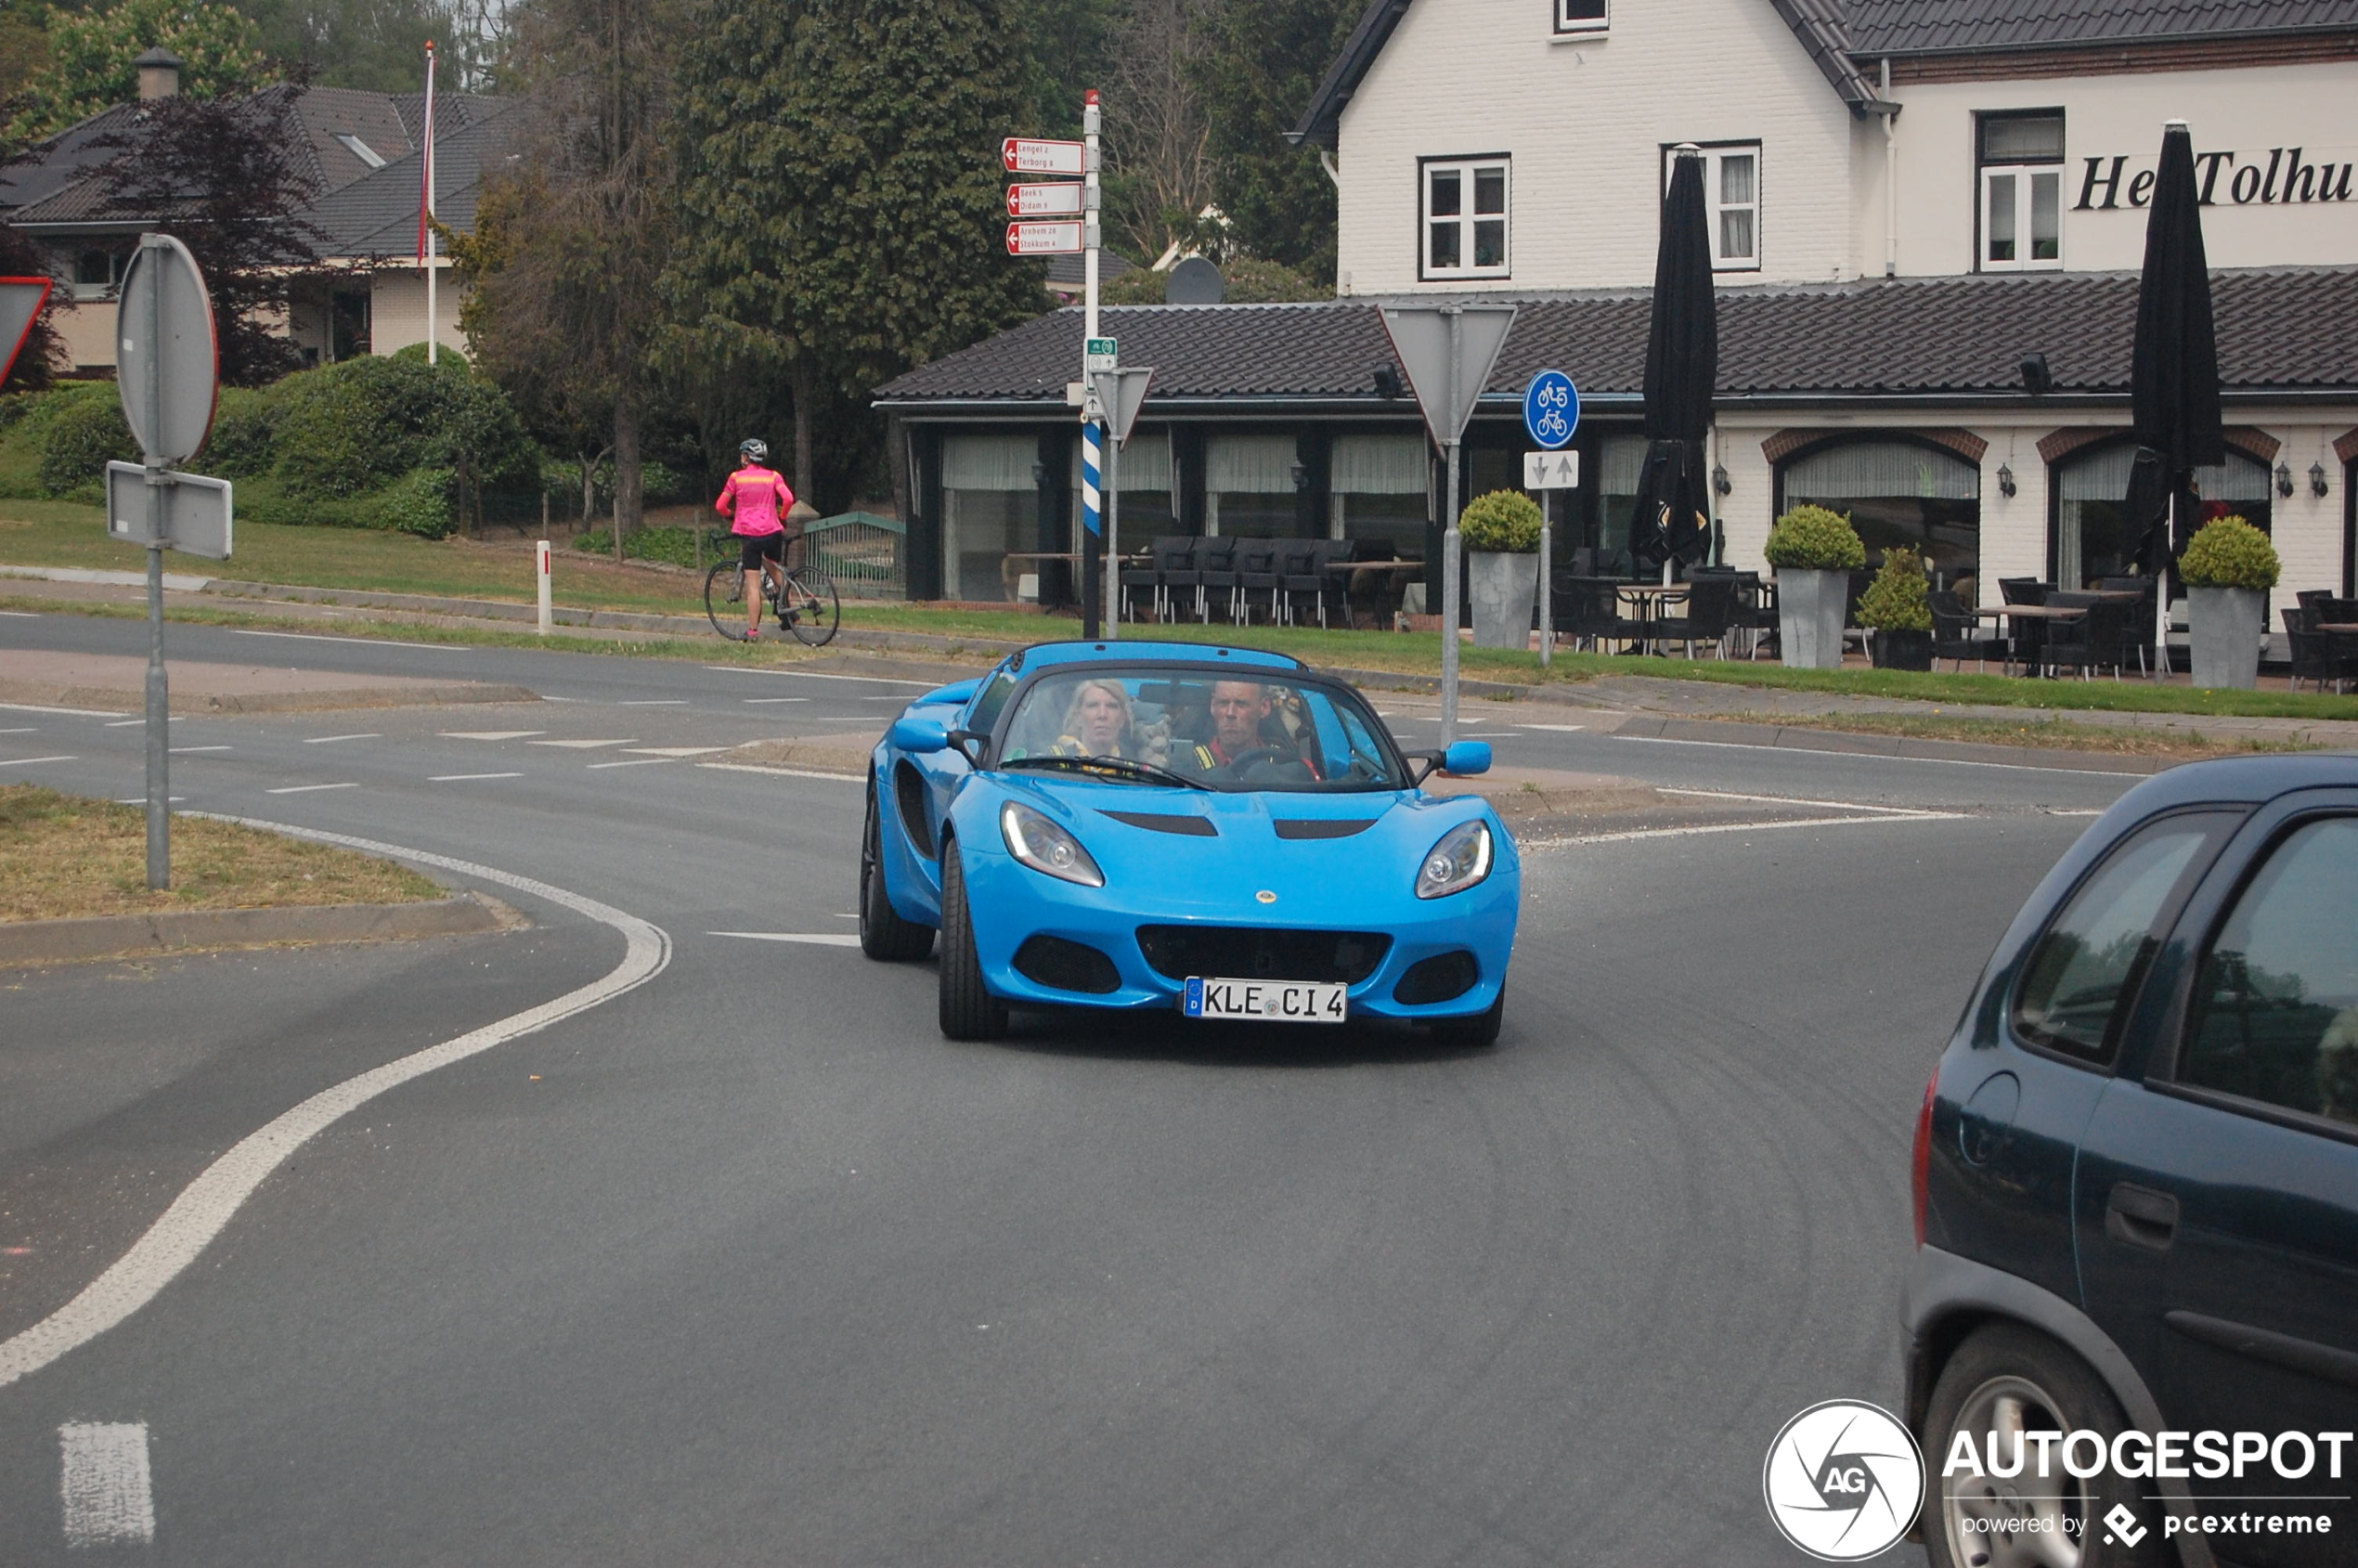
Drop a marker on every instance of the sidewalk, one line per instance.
(42, 677)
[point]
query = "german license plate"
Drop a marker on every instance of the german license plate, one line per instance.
(1299, 1002)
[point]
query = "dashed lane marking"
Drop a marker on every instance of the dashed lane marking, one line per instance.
(1796, 800)
(785, 773)
(676, 750)
(330, 740)
(206, 1205)
(773, 699)
(104, 1483)
(1878, 757)
(1564, 729)
(814, 675)
(68, 712)
(1629, 835)
(462, 778)
(185, 750)
(127, 723)
(809, 939)
(585, 746)
(490, 735)
(633, 762)
(142, 800)
(306, 789)
(22, 730)
(364, 642)
(29, 761)
(655, 702)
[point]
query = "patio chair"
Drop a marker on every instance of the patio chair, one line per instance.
(2027, 637)
(2090, 641)
(1215, 571)
(1956, 635)
(1304, 581)
(2312, 654)
(1588, 609)
(1167, 555)
(1256, 580)
(1710, 610)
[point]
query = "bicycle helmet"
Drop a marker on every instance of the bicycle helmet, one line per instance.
(753, 448)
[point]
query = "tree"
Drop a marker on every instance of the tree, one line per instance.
(588, 219)
(380, 44)
(219, 176)
(90, 55)
(840, 197)
(1159, 164)
(1259, 64)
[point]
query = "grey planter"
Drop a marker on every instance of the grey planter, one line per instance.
(1809, 609)
(1504, 591)
(2225, 627)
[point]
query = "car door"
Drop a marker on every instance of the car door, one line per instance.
(2216, 1204)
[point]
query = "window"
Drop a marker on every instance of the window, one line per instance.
(1249, 486)
(2093, 537)
(1894, 493)
(2021, 164)
(1731, 203)
(95, 274)
(360, 150)
(2275, 1014)
(1378, 487)
(1581, 16)
(2091, 960)
(1465, 218)
(990, 507)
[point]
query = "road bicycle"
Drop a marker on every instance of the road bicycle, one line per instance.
(802, 598)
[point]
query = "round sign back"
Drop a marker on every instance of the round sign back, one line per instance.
(168, 366)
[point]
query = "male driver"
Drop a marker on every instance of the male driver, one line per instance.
(755, 500)
(1237, 709)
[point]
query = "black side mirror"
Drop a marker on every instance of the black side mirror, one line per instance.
(969, 744)
(1423, 765)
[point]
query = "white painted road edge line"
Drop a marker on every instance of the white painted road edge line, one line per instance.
(29, 761)
(814, 675)
(1878, 756)
(785, 772)
(306, 789)
(69, 712)
(205, 1205)
(1795, 800)
(364, 642)
(104, 1483)
(815, 938)
(326, 740)
(462, 778)
(1740, 827)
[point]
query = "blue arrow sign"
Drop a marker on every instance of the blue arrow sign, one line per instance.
(1551, 408)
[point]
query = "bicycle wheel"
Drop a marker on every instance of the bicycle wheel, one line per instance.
(724, 599)
(810, 594)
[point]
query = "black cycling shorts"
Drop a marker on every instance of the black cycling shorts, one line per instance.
(753, 548)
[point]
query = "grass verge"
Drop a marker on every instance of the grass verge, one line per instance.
(2059, 734)
(64, 856)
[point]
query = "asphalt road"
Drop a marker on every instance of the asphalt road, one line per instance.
(747, 1265)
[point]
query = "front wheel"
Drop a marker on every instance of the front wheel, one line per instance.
(811, 609)
(724, 599)
(1476, 1033)
(884, 935)
(968, 1010)
(2004, 1384)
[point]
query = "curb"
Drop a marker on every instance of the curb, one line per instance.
(108, 936)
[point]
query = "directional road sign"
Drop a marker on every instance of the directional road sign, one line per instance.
(168, 369)
(1024, 156)
(1447, 366)
(20, 301)
(197, 511)
(1120, 394)
(1042, 239)
(1551, 408)
(1552, 470)
(1045, 201)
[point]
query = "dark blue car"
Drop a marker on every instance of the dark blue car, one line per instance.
(2136, 1186)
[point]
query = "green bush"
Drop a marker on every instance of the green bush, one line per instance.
(351, 428)
(1899, 599)
(676, 545)
(1811, 539)
(419, 502)
(1504, 522)
(243, 443)
(81, 430)
(2230, 553)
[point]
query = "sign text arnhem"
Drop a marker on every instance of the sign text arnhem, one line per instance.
(2285, 179)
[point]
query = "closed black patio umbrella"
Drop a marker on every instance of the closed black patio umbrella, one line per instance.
(2174, 374)
(1682, 368)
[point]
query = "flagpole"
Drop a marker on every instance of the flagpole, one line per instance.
(425, 213)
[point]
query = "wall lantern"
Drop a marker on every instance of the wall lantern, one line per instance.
(1719, 478)
(2317, 480)
(1301, 476)
(2006, 480)
(1040, 476)
(2283, 480)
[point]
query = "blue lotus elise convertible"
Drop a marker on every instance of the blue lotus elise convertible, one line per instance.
(1216, 831)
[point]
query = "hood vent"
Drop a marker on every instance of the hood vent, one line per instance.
(1165, 822)
(1321, 827)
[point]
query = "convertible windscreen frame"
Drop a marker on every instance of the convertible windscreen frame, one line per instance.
(1341, 694)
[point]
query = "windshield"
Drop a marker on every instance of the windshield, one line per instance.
(1231, 732)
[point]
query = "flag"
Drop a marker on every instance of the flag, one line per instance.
(425, 194)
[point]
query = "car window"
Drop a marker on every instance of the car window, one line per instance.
(1226, 732)
(2091, 956)
(984, 715)
(2275, 1014)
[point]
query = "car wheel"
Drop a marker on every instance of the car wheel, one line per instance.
(968, 1010)
(2004, 1381)
(883, 934)
(1476, 1033)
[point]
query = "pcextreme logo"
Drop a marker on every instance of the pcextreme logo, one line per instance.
(1844, 1480)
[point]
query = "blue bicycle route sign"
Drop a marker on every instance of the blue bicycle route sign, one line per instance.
(1551, 408)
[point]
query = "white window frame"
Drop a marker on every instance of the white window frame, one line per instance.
(1570, 26)
(1465, 169)
(1715, 154)
(2024, 172)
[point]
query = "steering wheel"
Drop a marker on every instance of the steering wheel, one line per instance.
(1257, 754)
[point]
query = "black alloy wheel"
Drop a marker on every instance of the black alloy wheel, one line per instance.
(968, 1010)
(1476, 1033)
(884, 935)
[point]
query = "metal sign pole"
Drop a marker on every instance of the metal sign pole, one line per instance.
(1449, 586)
(1111, 598)
(1547, 578)
(1093, 433)
(159, 691)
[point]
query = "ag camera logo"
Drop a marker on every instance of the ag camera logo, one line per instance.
(1844, 1481)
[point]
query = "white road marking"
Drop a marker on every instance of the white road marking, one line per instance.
(364, 642)
(142, 800)
(306, 789)
(1564, 728)
(1794, 801)
(462, 778)
(329, 740)
(104, 1483)
(1628, 834)
(633, 762)
(655, 702)
(677, 750)
(29, 761)
(205, 1206)
(814, 675)
(22, 730)
(123, 723)
(69, 712)
(774, 699)
(21, 615)
(1880, 756)
(811, 939)
(185, 750)
(784, 772)
(847, 917)
(585, 746)
(490, 735)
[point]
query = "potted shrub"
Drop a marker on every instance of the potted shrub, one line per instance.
(1814, 551)
(1501, 536)
(2229, 567)
(1897, 608)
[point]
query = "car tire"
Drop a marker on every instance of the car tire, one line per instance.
(2003, 1365)
(968, 1010)
(1475, 1032)
(883, 936)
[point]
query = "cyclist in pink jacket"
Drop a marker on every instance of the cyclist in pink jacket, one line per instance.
(755, 500)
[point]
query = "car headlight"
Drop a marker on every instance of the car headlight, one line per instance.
(1039, 843)
(1460, 859)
